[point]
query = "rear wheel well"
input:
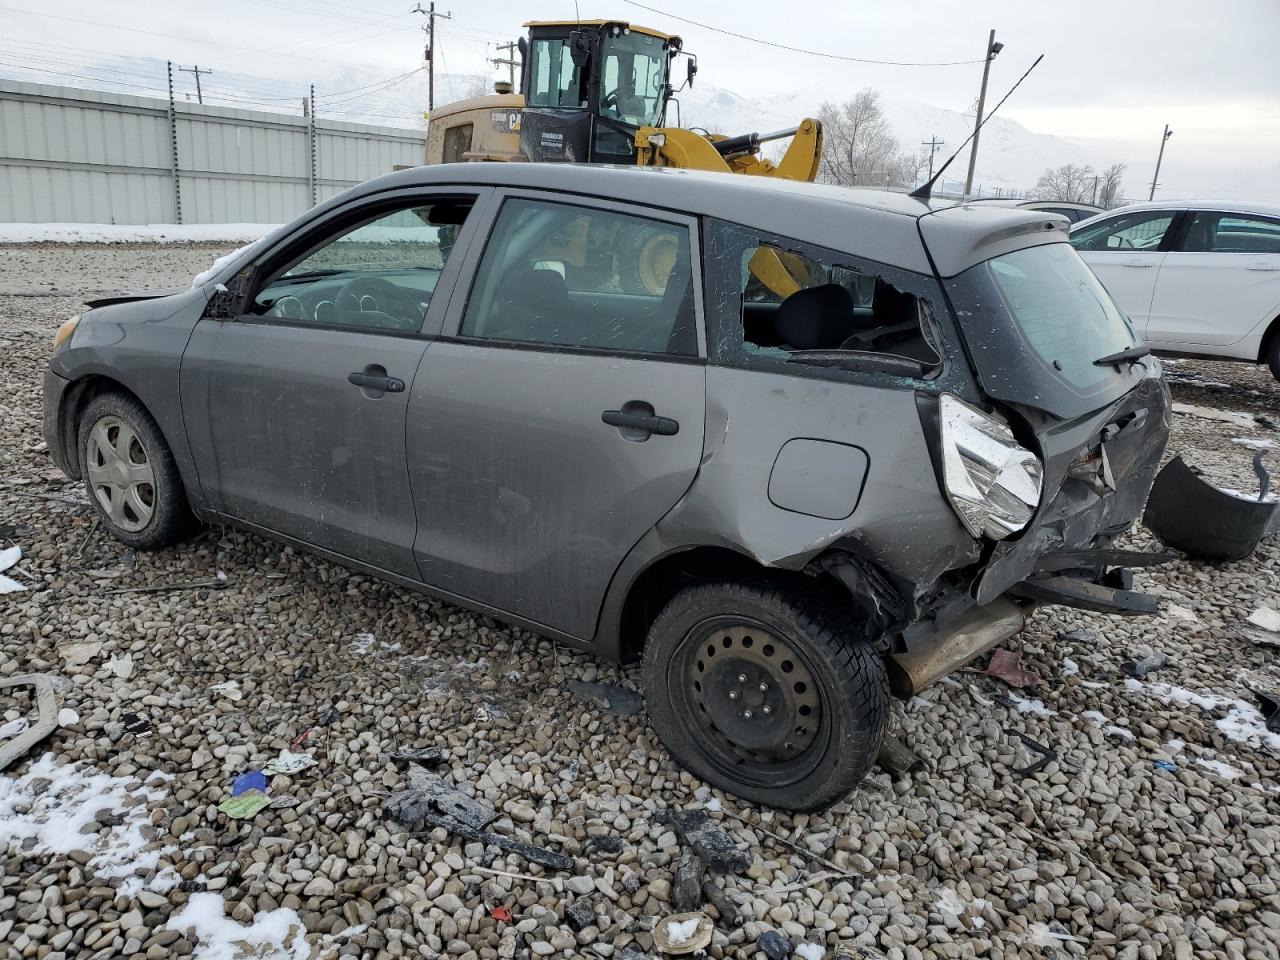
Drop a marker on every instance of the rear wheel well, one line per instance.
(666, 577)
(77, 399)
(1269, 338)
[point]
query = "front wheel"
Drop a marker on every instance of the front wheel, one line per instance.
(1273, 355)
(762, 692)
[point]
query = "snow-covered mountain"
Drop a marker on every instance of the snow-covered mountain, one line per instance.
(1011, 156)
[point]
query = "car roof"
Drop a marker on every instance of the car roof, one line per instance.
(877, 225)
(1220, 206)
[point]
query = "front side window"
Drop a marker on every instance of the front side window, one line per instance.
(378, 273)
(1129, 232)
(1231, 233)
(633, 79)
(572, 276)
(788, 303)
(553, 79)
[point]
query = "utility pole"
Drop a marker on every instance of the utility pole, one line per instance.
(430, 52)
(993, 48)
(197, 71)
(509, 62)
(1159, 159)
(933, 143)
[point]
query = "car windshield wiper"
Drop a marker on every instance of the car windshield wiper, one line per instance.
(1127, 355)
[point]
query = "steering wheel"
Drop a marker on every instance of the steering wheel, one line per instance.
(610, 99)
(378, 301)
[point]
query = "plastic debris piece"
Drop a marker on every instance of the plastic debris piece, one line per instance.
(1192, 515)
(580, 914)
(609, 697)
(138, 726)
(121, 666)
(79, 653)
(289, 763)
(426, 789)
(1006, 665)
(710, 841)
(774, 945)
(8, 557)
(979, 698)
(253, 780)
(715, 895)
(682, 933)
(14, 728)
(546, 858)
(419, 755)
(244, 805)
(67, 717)
(897, 759)
(686, 892)
(229, 689)
(1047, 754)
(1167, 765)
(22, 740)
(1138, 669)
(1269, 704)
(1266, 618)
(503, 915)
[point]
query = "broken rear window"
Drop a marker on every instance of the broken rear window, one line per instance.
(779, 301)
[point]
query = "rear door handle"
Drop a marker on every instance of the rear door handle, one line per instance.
(662, 426)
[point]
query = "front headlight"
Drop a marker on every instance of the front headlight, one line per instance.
(993, 484)
(65, 331)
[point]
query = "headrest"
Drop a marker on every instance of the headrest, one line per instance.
(818, 318)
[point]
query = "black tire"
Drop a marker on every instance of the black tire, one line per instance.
(1273, 354)
(797, 634)
(170, 519)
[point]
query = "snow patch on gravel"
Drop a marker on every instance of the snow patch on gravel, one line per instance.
(1218, 767)
(1030, 706)
(132, 233)
(810, 951)
(1243, 723)
(274, 935)
(53, 817)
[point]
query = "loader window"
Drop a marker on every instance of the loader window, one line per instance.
(553, 79)
(633, 79)
(786, 302)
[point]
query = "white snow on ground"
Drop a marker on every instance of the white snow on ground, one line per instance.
(206, 275)
(1243, 723)
(1253, 444)
(274, 935)
(1218, 767)
(1030, 706)
(682, 932)
(8, 557)
(132, 233)
(1109, 728)
(75, 797)
(810, 951)
(1069, 667)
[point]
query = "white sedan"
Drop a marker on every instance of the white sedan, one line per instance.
(1196, 279)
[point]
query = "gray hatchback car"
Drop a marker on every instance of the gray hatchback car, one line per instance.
(798, 448)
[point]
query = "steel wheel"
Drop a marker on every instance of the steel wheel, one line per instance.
(120, 474)
(752, 699)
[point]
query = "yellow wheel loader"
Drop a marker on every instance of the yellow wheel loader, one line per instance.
(598, 91)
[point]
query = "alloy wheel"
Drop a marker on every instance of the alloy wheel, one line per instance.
(120, 474)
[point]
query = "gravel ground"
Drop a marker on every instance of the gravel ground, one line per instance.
(111, 843)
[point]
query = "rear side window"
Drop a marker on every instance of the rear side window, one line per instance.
(1231, 233)
(1132, 231)
(786, 303)
(573, 276)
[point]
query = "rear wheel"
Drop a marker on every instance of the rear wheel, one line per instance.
(1273, 354)
(130, 475)
(762, 691)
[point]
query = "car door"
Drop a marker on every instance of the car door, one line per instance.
(296, 402)
(561, 417)
(1220, 283)
(1126, 252)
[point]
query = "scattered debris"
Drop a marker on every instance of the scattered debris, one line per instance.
(1269, 703)
(1192, 515)
(580, 914)
(79, 653)
(538, 855)
(121, 666)
(686, 892)
(682, 933)
(773, 945)
(229, 689)
(67, 717)
(138, 726)
(253, 780)
(501, 914)
(283, 802)
(8, 557)
(710, 841)
(245, 805)
(810, 951)
(1167, 765)
(423, 755)
(714, 894)
(46, 716)
(289, 763)
(216, 583)
(897, 759)
(609, 697)
(1148, 664)
(978, 698)
(1047, 755)
(1266, 618)
(1179, 612)
(806, 854)
(426, 789)
(1007, 665)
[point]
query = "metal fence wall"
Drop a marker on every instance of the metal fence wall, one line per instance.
(82, 156)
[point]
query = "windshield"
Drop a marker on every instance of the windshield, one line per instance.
(633, 78)
(1035, 321)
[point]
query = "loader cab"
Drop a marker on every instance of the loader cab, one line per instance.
(589, 85)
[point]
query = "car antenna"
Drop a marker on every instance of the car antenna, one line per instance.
(925, 190)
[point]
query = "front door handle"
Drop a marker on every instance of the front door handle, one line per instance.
(1137, 263)
(647, 423)
(374, 382)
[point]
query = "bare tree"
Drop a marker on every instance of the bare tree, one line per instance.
(1109, 187)
(859, 145)
(1071, 182)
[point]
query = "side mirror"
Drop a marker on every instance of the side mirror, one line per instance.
(523, 46)
(693, 72)
(228, 300)
(580, 47)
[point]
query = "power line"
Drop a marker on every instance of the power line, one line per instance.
(812, 53)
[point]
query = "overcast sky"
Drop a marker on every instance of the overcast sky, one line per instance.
(1115, 71)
